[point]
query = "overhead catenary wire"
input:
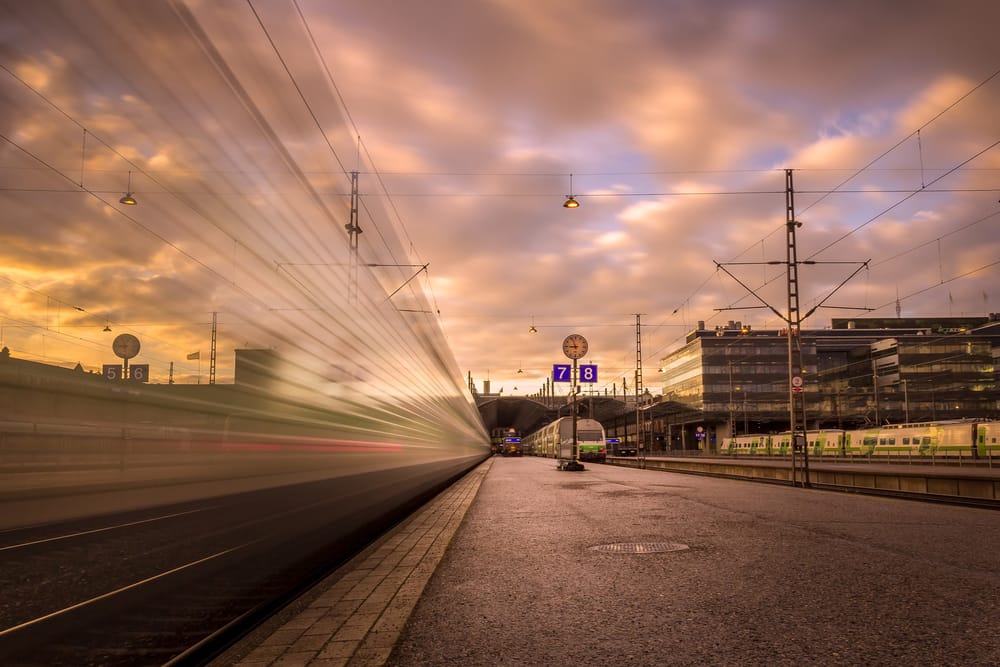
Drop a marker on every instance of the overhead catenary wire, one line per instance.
(869, 166)
(375, 211)
(360, 145)
(915, 132)
(910, 194)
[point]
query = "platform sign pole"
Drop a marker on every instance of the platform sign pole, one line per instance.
(575, 450)
(574, 347)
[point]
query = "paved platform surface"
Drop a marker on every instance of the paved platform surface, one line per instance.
(619, 566)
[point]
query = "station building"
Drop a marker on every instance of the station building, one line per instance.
(735, 380)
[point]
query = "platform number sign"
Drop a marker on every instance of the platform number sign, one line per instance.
(137, 372)
(564, 373)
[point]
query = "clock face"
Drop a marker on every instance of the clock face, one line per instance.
(575, 346)
(125, 346)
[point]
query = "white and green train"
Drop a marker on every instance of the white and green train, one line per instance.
(953, 439)
(556, 440)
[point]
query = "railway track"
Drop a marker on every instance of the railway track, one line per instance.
(980, 483)
(962, 501)
(177, 585)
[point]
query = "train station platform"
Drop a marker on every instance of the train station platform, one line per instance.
(523, 564)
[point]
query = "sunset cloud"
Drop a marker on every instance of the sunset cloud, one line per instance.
(469, 124)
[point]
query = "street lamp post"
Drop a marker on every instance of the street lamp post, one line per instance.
(732, 405)
(875, 390)
(746, 422)
(906, 402)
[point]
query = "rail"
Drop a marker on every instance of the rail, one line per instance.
(973, 485)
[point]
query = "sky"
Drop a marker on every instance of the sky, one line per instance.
(237, 124)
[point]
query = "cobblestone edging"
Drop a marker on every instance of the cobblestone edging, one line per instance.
(359, 619)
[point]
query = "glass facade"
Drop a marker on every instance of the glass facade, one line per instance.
(738, 380)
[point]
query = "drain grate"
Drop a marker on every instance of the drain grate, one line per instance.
(640, 547)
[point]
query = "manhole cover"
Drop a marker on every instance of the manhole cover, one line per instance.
(640, 547)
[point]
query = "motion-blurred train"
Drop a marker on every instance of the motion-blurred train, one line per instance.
(556, 440)
(952, 439)
(194, 441)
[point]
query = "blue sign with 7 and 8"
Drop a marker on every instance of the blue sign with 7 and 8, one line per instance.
(562, 373)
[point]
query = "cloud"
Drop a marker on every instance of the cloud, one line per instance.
(675, 120)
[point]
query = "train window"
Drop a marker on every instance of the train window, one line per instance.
(881, 441)
(927, 440)
(892, 440)
(906, 441)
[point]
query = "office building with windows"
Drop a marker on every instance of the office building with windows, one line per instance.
(857, 371)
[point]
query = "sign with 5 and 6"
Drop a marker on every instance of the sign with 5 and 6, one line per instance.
(137, 372)
(563, 373)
